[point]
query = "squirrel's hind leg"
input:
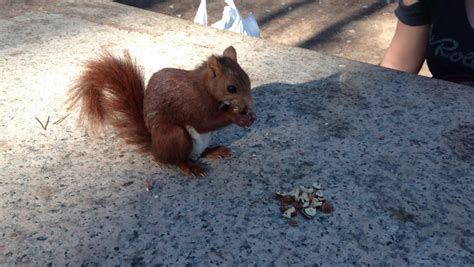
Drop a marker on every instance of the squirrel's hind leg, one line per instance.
(172, 144)
(192, 168)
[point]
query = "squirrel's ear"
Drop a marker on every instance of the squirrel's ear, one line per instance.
(230, 53)
(213, 66)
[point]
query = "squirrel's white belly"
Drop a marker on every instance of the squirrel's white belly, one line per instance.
(200, 141)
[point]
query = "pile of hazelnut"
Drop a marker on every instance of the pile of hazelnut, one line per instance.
(305, 200)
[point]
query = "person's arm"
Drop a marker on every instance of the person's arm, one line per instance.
(407, 51)
(408, 48)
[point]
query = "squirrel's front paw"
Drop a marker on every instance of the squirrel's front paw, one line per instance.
(217, 152)
(245, 120)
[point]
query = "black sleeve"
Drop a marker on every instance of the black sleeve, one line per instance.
(413, 15)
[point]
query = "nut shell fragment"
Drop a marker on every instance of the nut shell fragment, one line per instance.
(309, 212)
(319, 193)
(298, 205)
(304, 197)
(287, 200)
(307, 190)
(305, 200)
(149, 184)
(327, 207)
(290, 212)
(294, 193)
(280, 194)
(316, 204)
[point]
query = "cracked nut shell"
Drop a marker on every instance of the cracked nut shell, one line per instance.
(327, 207)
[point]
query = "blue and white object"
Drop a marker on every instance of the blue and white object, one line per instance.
(231, 20)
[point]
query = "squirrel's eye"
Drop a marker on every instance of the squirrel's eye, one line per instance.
(232, 89)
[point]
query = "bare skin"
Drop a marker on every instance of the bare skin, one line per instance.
(470, 12)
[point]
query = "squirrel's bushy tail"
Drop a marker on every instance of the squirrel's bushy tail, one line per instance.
(110, 92)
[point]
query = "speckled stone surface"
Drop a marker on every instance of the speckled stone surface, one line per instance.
(395, 153)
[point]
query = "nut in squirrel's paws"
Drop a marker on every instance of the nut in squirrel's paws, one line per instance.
(245, 120)
(242, 117)
(245, 117)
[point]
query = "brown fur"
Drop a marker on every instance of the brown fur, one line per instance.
(111, 92)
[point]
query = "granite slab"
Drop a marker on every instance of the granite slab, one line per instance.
(393, 151)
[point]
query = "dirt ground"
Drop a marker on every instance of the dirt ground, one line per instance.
(358, 29)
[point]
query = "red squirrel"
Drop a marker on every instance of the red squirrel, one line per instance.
(173, 118)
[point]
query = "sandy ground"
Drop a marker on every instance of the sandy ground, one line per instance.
(359, 30)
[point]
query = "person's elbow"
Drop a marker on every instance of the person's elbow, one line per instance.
(397, 62)
(407, 51)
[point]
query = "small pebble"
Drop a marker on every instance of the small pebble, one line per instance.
(127, 183)
(293, 222)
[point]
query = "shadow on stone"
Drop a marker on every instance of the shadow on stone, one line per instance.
(461, 142)
(315, 105)
(326, 35)
(140, 3)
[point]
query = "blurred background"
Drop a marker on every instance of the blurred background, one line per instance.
(355, 29)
